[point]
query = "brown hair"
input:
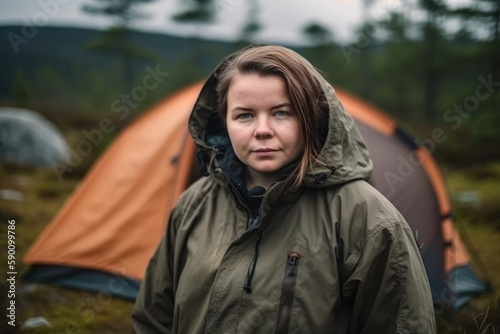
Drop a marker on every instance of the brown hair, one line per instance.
(306, 94)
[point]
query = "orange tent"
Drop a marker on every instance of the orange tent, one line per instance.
(105, 234)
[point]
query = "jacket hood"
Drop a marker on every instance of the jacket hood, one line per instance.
(342, 158)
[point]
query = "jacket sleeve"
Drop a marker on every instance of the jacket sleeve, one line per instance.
(388, 288)
(154, 307)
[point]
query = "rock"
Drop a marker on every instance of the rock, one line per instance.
(35, 322)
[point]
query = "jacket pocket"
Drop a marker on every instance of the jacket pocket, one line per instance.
(287, 293)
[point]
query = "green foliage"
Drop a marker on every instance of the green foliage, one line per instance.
(51, 86)
(123, 11)
(484, 125)
(117, 38)
(22, 92)
(481, 184)
(196, 11)
(317, 33)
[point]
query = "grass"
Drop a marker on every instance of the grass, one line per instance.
(478, 222)
(482, 314)
(72, 311)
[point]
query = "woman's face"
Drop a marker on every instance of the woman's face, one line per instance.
(265, 131)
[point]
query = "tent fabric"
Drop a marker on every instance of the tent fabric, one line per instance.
(114, 220)
(107, 284)
(464, 285)
(117, 215)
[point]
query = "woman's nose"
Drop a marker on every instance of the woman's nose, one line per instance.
(263, 128)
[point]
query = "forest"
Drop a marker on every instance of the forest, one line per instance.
(428, 65)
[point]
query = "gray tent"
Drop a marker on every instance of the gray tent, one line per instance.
(28, 138)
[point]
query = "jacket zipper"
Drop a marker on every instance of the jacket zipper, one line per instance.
(247, 286)
(287, 293)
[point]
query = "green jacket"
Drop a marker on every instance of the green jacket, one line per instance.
(333, 256)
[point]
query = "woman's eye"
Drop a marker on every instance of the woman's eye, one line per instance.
(243, 116)
(282, 113)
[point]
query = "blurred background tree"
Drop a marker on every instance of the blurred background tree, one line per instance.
(117, 38)
(395, 65)
(321, 40)
(366, 32)
(252, 25)
(484, 15)
(432, 38)
(195, 14)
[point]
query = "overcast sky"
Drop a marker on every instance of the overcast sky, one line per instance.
(282, 20)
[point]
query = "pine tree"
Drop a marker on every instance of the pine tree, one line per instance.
(117, 38)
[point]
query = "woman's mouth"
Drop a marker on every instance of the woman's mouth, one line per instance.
(265, 152)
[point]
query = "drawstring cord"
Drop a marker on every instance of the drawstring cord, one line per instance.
(251, 268)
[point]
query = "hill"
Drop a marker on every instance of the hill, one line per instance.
(53, 54)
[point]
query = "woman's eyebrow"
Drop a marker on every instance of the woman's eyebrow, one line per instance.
(281, 105)
(238, 108)
(241, 108)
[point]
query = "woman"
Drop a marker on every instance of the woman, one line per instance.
(284, 234)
